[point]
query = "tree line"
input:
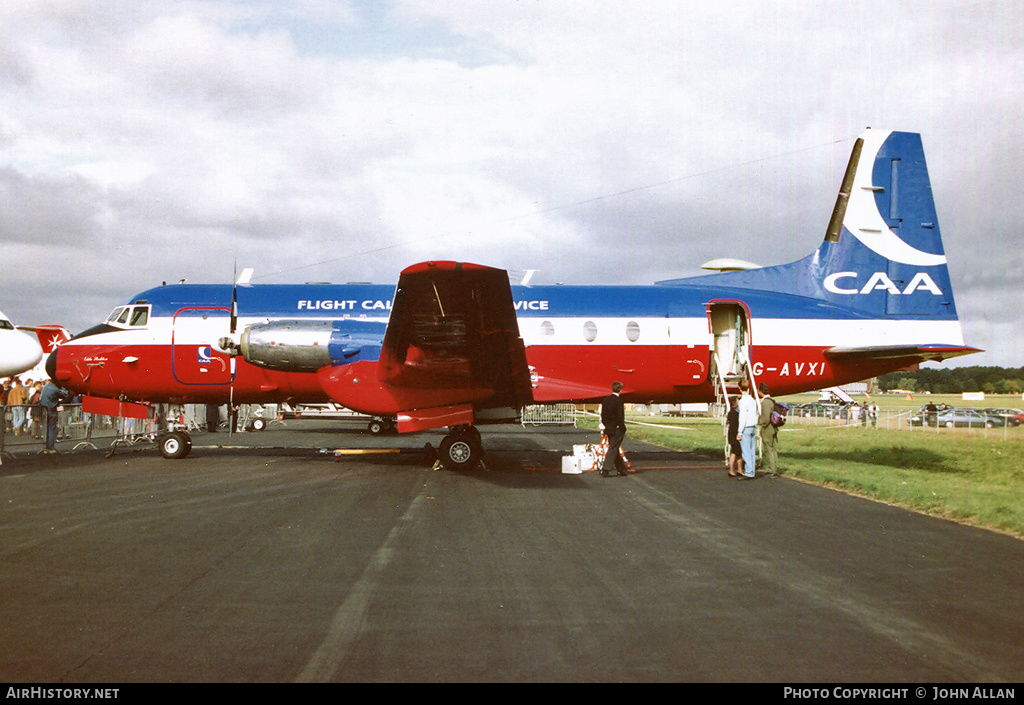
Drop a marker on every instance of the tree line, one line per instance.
(991, 380)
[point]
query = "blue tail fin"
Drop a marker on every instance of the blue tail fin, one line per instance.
(882, 255)
(883, 245)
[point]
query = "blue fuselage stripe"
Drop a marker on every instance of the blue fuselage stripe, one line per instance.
(374, 301)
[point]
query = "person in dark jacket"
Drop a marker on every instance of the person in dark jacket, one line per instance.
(769, 434)
(613, 418)
(732, 435)
(51, 398)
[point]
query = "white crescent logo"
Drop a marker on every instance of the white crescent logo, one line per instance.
(866, 223)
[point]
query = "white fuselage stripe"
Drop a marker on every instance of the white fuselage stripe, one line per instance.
(618, 331)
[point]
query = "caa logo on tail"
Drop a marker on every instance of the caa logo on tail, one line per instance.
(880, 280)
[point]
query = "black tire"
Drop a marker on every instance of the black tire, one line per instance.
(460, 451)
(175, 445)
(473, 433)
(377, 427)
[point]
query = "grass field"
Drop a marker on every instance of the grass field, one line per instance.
(971, 476)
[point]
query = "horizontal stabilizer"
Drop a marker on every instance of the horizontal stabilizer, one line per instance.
(934, 353)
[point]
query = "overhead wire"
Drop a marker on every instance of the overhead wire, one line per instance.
(567, 206)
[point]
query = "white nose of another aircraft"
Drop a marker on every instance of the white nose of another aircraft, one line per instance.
(19, 352)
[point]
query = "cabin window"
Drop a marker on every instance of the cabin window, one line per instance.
(590, 331)
(633, 331)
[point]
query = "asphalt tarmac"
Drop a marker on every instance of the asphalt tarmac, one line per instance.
(261, 558)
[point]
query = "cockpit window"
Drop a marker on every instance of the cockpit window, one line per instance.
(129, 316)
(6, 325)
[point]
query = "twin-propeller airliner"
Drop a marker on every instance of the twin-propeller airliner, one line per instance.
(455, 345)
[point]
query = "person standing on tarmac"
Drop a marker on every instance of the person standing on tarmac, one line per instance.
(51, 398)
(769, 433)
(16, 399)
(747, 429)
(732, 430)
(613, 418)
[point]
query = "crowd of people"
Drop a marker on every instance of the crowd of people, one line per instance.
(863, 413)
(747, 418)
(33, 407)
(23, 399)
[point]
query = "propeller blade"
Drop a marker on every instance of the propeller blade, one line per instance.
(234, 298)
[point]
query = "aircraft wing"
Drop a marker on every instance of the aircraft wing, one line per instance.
(934, 353)
(452, 343)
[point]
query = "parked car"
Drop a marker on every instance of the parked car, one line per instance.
(1014, 417)
(818, 409)
(959, 418)
(928, 414)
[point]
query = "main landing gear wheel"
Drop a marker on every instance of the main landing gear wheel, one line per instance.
(175, 445)
(461, 449)
(379, 426)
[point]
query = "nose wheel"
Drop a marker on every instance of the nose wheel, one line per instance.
(175, 445)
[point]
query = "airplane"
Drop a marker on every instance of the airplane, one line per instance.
(19, 352)
(455, 345)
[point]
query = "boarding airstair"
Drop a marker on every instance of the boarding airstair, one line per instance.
(727, 385)
(730, 360)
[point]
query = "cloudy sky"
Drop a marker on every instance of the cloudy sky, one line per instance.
(597, 141)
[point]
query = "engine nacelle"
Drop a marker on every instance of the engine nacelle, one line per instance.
(307, 346)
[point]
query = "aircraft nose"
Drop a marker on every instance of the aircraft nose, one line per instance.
(30, 351)
(51, 364)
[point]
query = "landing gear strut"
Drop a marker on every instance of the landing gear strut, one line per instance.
(461, 449)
